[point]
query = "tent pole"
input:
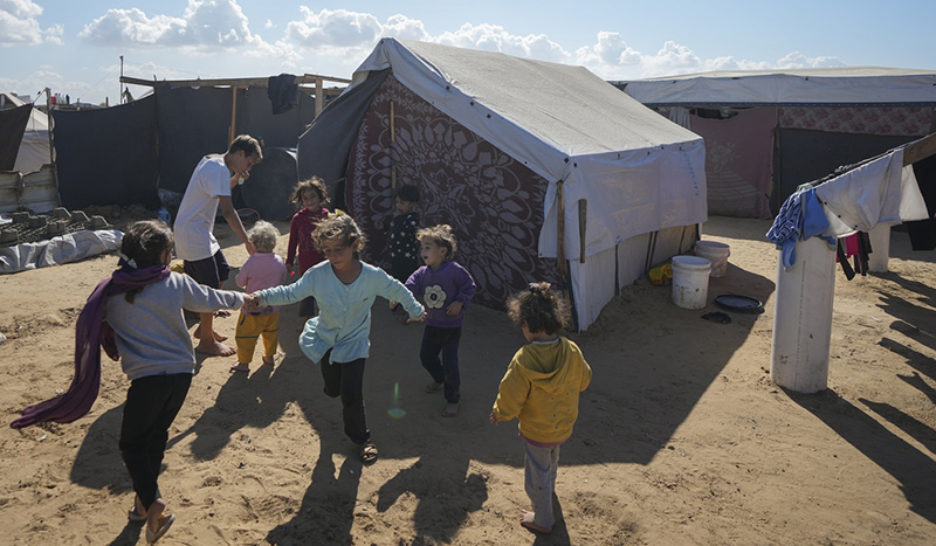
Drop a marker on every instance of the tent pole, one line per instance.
(392, 148)
(319, 96)
(233, 114)
(561, 254)
(50, 123)
(582, 211)
(560, 235)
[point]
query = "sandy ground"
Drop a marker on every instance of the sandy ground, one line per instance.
(682, 437)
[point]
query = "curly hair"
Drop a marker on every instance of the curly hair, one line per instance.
(315, 184)
(263, 236)
(440, 234)
(540, 308)
(341, 227)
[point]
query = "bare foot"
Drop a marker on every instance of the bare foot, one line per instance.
(527, 520)
(240, 368)
(217, 337)
(214, 348)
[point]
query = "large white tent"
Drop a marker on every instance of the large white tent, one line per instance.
(614, 172)
(809, 86)
(34, 149)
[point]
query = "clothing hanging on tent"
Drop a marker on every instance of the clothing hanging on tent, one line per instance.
(282, 91)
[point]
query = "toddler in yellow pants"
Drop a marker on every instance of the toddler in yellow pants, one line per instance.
(262, 270)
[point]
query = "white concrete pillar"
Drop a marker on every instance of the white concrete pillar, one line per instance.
(880, 248)
(802, 332)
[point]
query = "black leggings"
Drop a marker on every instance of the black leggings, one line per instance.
(152, 404)
(346, 379)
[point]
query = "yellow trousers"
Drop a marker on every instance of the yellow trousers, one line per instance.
(249, 328)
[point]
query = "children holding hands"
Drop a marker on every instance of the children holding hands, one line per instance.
(262, 270)
(444, 287)
(136, 315)
(339, 337)
(541, 389)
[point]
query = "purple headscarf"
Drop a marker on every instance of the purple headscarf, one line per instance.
(91, 332)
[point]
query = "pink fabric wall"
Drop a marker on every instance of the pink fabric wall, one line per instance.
(738, 158)
(898, 121)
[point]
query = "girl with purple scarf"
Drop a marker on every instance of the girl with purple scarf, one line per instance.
(136, 315)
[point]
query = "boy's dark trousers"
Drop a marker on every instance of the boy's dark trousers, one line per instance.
(152, 404)
(401, 267)
(346, 379)
(442, 340)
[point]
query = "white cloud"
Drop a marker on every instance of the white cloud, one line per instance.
(796, 59)
(205, 28)
(496, 38)
(19, 26)
(401, 26)
(339, 28)
(269, 24)
(133, 28)
(610, 57)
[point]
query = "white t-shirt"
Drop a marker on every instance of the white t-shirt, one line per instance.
(195, 218)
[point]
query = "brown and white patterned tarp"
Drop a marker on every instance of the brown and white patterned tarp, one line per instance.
(493, 203)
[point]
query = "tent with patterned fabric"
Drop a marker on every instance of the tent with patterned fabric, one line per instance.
(544, 171)
(768, 131)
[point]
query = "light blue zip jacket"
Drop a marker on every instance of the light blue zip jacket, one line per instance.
(344, 320)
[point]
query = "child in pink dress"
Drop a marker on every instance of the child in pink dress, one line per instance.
(262, 270)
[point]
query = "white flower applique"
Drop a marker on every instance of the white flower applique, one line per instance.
(434, 296)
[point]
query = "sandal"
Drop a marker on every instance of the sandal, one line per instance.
(369, 453)
(135, 516)
(164, 525)
(451, 410)
(240, 368)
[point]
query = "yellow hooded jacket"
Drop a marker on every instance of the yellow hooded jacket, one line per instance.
(541, 388)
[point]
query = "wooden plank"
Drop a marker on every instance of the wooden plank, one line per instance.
(233, 114)
(319, 96)
(308, 79)
(582, 211)
(919, 149)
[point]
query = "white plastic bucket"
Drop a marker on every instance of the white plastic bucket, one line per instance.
(690, 281)
(715, 252)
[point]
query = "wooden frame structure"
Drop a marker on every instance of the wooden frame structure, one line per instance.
(242, 83)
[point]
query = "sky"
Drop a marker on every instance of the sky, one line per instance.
(74, 47)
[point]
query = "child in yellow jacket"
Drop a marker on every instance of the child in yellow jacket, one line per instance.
(541, 388)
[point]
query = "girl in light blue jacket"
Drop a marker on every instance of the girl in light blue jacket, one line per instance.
(339, 337)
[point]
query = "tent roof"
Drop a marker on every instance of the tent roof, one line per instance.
(862, 85)
(534, 110)
(38, 120)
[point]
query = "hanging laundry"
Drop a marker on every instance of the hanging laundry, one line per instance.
(801, 216)
(865, 196)
(282, 91)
